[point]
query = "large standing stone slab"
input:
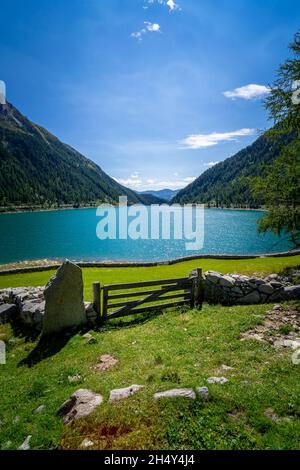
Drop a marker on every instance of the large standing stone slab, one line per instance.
(64, 300)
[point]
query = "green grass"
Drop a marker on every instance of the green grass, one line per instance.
(177, 348)
(111, 275)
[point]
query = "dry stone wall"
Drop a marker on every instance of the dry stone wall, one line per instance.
(234, 289)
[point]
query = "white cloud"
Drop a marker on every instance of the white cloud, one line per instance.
(211, 164)
(149, 27)
(133, 183)
(140, 184)
(197, 141)
(152, 27)
(171, 4)
(248, 92)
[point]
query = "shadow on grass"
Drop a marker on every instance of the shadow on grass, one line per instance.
(49, 346)
(25, 332)
(130, 322)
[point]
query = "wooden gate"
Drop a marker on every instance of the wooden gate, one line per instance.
(139, 297)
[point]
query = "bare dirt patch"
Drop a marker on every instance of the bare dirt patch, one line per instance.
(105, 362)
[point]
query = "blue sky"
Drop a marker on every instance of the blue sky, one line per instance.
(154, 91)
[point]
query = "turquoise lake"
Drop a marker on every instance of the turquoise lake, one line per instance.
(72, 234)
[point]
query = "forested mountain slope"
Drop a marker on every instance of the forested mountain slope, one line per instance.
(227, 183)
(37, 169)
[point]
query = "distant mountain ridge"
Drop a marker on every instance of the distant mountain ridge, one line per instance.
(165, 194)
(227, 183)
(37, 169)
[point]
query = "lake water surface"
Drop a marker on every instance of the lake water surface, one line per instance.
(72, 234)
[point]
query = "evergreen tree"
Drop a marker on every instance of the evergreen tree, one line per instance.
(281, 187)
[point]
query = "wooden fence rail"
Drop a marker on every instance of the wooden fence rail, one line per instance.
(119, 300)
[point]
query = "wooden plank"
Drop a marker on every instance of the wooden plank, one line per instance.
(119, 314)
(97, 297)
(121, 304)
(105, 301)
(124, 295)
(147, 283)
(201, 290)
(129, 303)
(197, 288)
(186, 295)
(129, 294)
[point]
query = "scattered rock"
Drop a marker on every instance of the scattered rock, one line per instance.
(217, 380)
(280, 328)
(16, 420)
(86, 443)
(64, 300)
(122, 393)
(26, 444)
(224, 367)
(39, 410)
(82, 403)
(106, 362)
(175, 393)
(89, 338)
(250, 335)
(74, 378)
(203, 392)
(286, 343)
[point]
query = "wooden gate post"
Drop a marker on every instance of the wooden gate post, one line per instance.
(197, 288)
(97, 298)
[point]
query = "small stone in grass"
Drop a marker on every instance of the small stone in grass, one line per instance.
(175, 393)
(224, 367)
(81, 404)
(25, 445)
(217, 380)
(203, 392)
(74, 378)
(86, 443)
(121, 393)
(89, 338)
(39, 410)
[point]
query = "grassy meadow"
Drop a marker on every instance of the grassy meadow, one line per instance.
(176, 348)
